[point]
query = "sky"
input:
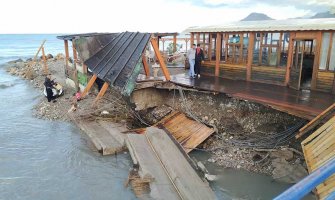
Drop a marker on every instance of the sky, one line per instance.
(74, 16)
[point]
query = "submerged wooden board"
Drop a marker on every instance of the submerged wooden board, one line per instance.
(318, 148)
(106, 141)
(159, 158)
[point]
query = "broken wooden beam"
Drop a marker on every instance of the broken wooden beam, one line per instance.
(159, 158)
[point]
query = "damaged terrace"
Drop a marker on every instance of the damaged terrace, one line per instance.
(278, 66)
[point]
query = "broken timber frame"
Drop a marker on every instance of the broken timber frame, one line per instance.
(316, 121)
(89, 86)
(160, 59)
(101, 93)
(146, 66)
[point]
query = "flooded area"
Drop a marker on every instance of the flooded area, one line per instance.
(51, 160)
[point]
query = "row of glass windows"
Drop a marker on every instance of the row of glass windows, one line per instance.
(270, 49)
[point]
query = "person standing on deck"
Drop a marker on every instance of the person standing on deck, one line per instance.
(199, 58)
(191, 60)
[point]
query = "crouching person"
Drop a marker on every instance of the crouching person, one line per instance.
(49, 85)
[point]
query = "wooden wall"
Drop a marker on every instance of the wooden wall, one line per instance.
(229, 71)
(274, 75)
(324, 81)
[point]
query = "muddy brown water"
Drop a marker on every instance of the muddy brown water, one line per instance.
(42, 159)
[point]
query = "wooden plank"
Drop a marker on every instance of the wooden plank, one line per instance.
(181, 172)
(45, 69)
(217, 56)
(250, 55)
(312, 124)
(101, 93)
(160, 59)
(319, 131)
(101, 138)
(89, 86)
(146, 66)
(151, 168)
(279, 48)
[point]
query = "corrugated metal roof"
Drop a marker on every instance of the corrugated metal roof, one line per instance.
(90, 45)
(269, 25)
(116, 61)
(75, 36)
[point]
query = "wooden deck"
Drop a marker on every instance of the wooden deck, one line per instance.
(304, 104)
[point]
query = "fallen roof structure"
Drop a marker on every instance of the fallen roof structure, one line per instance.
(119, 57)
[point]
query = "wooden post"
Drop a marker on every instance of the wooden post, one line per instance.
(66, 45)
(101, 93)
(210, 47)
(160, 59)
(217, 54)
(174, 43)
(279, 48)
(198, 38)
(250, 54)
(241, 48)
(89, 86)
(260, 59)
(75, 73)
(45, 62)
(192, 39)
(226, 37)
(289, 58)
(316, 60)
(146, 66)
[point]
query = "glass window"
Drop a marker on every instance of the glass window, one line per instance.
(270, 49)
(332, 55)
(324, 50)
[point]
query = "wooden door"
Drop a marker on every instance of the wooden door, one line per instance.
(296, 66)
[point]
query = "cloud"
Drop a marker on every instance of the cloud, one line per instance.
(310, 5)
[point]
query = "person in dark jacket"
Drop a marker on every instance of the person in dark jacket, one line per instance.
(49, 84)
(199, 58)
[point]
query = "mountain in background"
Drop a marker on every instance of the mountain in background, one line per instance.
(256, 17)
(323, 15)
(260, 16)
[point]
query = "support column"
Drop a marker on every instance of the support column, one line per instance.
(160, 59)
(174, 43)
(250, 55)
(198, 38)
(192, 39)
(89, 86)
(146, 66)
(289, 58)
(217, 54)
(101, 93)
(75, 73)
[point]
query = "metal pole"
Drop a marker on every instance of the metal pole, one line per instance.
(306, 185)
